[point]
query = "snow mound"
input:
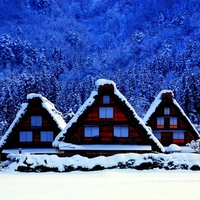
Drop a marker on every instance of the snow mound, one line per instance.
(173, 148)
(44, 163)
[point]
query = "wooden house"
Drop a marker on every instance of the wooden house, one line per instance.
(35, 127)
(169, 122)
(106, 124)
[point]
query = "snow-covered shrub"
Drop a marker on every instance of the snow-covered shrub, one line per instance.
(172, 165)
(130, 163)
(194, 145)
(173, 148)
(146, 164)
(45, 163)
(195, 167)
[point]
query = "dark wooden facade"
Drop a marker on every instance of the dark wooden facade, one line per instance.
(109, 120)
(36, 128)
(170, 124)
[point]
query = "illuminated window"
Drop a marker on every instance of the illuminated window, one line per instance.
(173, 122)
(160, 122)
(106, 112)
(91, 131)
(106, 99)
(121, 131)
(166, 111)
(36, 120)
(46, 136)
(158, 135)
(179, 135)
(25, 136)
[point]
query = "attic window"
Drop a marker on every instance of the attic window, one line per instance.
(46, 136)
(106, 99)
(36, 120)
(160, 122)
(166, 110)
(106, 112)
(91, 131)
(25, 136)
(121, 131)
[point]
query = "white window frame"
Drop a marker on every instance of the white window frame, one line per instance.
(121, 131)
(106, 112)
(46, 136)
(36, 120)
(167, 111)
(91, 130)
(25, 136)
(106, 99)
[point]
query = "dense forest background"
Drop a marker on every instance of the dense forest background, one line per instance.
(60, 48)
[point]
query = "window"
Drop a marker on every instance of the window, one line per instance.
(160, 122)
(121, 131)
(36, 120)
(46, 136)
(106, 112)
(25, 136)
(158, 135)
(91, 131)
(106, 99)
(178, 135)
(166, 110)
(173, 122)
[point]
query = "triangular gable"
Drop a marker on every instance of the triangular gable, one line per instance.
(123, 104)
(155, 105)
(46, 104)
(159, 100)
(49, 106)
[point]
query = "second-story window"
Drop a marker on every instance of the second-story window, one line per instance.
(173, 122)
(160, 122)
(106, 112)
(36, 120)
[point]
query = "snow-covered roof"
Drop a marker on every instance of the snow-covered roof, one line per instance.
(90, 101)
(102, 82)
(46, 104)
(49, 106)
(31, 151)
(157, 102)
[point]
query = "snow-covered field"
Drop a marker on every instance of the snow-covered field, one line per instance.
(106, 184)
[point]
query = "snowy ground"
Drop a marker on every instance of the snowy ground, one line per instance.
(107, 184)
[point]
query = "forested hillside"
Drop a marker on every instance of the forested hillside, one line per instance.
(60, 48)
